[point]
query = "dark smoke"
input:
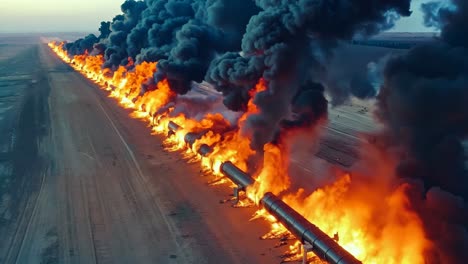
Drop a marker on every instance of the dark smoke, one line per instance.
(234, 76)
(189, 59)
(154, 36)
(354, 71)
(232, 44)
(431, 16)
(104, 29)
(308, 107)
(213, 29)
(423, 103)
(286, 44)
(82, 45)
(116, 52)
(184, 36)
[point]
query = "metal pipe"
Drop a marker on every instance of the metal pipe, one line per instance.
(205, 150)
(236, 175)
(191, 137)
(173, 127)
(322, 245)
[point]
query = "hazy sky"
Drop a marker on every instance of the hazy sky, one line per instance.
(55, 15)
(85, 15)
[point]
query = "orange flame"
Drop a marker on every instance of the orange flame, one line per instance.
(374, 229)
(371, 217)
(273, 177)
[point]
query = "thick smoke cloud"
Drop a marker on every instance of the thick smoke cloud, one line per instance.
(423, 105)
(309, 106)
(234, 76)
(213, 29)
(121, 26)
(232, 44)
(82, 45)
(104, 29)
(154, 36)
(423, 101)
(286, 44)
(184, 36)
(353, 71)
(189, 59)
(200, 40)
(88, 43)
(431, 16)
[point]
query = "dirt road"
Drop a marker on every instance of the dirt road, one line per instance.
(84, 183)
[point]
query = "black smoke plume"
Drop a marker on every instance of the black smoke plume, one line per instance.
(88, 43)
(154, 36)
(423, 103)
(82, 45)
(232, 44)
(184, 36)
(116, 52)
(286, 44)
(234, 76)
(215, 28)
(308, 106)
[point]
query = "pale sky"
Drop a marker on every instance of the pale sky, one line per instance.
(86, 15)
(55, 15)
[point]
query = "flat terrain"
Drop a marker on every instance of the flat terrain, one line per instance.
(81, 182)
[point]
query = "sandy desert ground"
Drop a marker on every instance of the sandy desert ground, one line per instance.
(82, 182)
